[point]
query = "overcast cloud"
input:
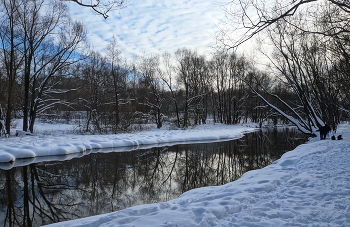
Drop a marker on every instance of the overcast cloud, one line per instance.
(153, 26)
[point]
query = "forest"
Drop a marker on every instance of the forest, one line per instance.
(48, 72)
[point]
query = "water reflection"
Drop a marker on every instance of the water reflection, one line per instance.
(48, 192)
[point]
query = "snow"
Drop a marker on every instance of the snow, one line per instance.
(52, 144)
(309, 186)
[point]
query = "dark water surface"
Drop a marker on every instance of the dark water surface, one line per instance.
(48, 192)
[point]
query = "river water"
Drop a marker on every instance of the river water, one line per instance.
(106, 181)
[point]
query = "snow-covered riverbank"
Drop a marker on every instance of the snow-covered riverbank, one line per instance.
(61, 146)
(309, 186)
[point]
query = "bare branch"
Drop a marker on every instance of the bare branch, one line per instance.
(102, 7)
(254, 16)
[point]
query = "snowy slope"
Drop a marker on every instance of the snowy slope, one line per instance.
(309, 186)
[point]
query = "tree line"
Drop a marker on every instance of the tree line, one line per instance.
(47, 72)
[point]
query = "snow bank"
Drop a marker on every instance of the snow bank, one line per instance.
(309, 186)
(30, 147)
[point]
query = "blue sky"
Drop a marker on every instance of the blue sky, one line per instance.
(154, 26)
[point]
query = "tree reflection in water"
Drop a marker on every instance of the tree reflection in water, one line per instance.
(49, 192)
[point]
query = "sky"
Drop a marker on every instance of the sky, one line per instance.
(153, 26)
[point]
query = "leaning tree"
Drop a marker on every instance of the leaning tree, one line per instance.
(304, 35)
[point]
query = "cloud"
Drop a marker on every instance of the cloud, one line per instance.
(152, 26)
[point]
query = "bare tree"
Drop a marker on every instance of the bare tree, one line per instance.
(10, 41)
(50, 41)
(95, 99)
(303, 34)
(56, 59)
(119, 73)
(303, 62)
(38, 40)
(152, 86)
(226, 72)
(2, 122)
(193, 77)
(168, 78)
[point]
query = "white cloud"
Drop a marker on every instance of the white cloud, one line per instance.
(153, 26)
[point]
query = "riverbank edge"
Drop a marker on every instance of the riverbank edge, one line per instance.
(19, 151)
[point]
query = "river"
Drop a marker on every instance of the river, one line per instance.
(106, 181)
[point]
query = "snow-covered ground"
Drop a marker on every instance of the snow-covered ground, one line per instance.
(309, 186)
